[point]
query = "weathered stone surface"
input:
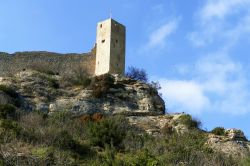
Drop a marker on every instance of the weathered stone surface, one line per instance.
(225, 144)
(133, 97)
(138, 101)
(230, 144)
(58, 63)
(235, 135)
(125, 96)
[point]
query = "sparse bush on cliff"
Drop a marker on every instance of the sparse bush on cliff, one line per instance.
(9, 91)
(218, 131)
(137, 74)
(101, 85)
(52, 82)
(188, 121)
(9, 130)
(7, 111)
(109, 131)
(63, 139)
(156, 85)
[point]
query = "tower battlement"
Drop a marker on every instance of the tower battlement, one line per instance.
(110, 47)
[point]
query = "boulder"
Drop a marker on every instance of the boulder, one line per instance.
(235, 134)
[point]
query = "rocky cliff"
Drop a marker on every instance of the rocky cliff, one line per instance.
(108, 95)
(43, 92)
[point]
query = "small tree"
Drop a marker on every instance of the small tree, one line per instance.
(137, 74)
(218, 131)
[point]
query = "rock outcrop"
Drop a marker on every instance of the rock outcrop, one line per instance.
(140, 102)
(233, 143)
(124, 96)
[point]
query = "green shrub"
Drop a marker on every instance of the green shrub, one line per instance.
(108, 131)
(10, 125)
(218, 131)
(7, 111)
(143, 158)
(42, 152)
(9, 91)
(9, 130)
(63, 140)
(189, 121)
(53, 83)
(245, 162)
(135, 139)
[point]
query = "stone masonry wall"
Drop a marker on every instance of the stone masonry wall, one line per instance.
(58, 63)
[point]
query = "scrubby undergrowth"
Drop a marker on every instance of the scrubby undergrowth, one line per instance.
(60, 139)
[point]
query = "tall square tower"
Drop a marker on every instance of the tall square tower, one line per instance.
(110, 47)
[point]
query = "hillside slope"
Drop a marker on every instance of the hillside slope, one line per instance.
(76, 120)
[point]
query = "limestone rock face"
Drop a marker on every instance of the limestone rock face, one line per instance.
(229, 146)
(127, 96)
(124, 96)
(235, 135)
(232, 143)
(140, 102)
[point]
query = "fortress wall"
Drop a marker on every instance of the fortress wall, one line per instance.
(58, 63)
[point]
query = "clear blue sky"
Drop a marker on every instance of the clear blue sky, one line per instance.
(197, 49)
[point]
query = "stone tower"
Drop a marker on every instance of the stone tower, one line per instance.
(110, 47)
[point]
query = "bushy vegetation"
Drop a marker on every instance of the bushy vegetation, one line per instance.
(52, 82)
(62, 139)
(9, 91)
(7, 111)
(108, 132)
(245, 162)
(101, 85)
(188, 121)
(137, 74)
(218, 131)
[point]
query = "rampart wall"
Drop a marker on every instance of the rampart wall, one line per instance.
(58, 63)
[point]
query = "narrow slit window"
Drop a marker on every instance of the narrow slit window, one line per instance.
(101, 26)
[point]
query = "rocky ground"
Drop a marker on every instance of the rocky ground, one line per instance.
(43, 92)
(140, 102)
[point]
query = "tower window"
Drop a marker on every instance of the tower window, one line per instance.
(116, 41)
(103, 41)
(101, 26)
